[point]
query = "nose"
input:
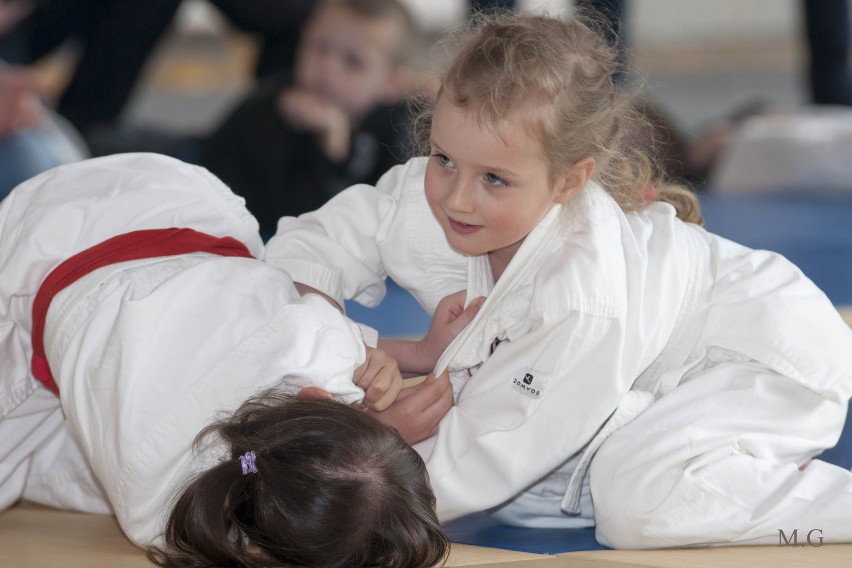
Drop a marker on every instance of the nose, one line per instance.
(460, 197)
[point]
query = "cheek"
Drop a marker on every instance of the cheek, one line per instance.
(435, 190)
(365, 86)
(514, 221)
(357, 89)
(305, 70)
(430, 187)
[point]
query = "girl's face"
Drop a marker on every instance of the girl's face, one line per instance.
(489, 188)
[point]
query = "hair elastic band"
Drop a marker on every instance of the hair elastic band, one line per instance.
(247, 462)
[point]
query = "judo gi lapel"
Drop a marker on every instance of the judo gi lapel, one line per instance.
(470, 347)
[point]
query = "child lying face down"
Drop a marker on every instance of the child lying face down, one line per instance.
(130, 287)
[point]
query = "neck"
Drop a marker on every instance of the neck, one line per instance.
(498, 263)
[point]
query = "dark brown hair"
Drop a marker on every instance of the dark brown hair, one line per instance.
(334, 488)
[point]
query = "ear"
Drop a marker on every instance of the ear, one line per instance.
(574, 180)
(314, 392)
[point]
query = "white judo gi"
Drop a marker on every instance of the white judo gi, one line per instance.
(145, 352)
(627, 370)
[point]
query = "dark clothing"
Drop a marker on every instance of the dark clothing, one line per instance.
(277, 25)
(117, 37)
(827, 33)
(281, 171)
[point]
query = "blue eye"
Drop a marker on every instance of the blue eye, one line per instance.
(493, 179)
(443, 160)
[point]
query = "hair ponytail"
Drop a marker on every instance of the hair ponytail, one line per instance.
(203, 519)
(334, 488)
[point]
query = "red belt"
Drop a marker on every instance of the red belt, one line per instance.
(128, 246)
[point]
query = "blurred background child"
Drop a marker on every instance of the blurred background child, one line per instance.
(337, 120)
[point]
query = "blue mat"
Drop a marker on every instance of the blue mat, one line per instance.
(481, 529)
(399, 314)
(813, 231)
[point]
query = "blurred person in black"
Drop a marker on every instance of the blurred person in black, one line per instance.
(117, 37)
(338, 119)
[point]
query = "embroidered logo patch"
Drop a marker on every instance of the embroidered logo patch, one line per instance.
(530, 382)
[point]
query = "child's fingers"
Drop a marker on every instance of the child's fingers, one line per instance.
(473, 308)
(454, 304)
(428, 403)
(368, 372)
(379, 384)
(434, 391)
(380, 378)
(372, 364)
(359, 377)
(388, 396)
(419, 409)
(443, 400)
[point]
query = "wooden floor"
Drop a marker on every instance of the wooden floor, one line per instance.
(34, 537)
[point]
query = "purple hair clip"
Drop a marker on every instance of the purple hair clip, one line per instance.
(247, 462)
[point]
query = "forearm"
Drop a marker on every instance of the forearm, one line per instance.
(335, 249)
(409, 355)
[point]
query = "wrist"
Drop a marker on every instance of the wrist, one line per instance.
(421, 357)
(410, 355)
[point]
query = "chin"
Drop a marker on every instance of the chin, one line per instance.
(463, 247)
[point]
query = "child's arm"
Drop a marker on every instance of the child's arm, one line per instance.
(20, 105)
(417, 411)
(449, 319)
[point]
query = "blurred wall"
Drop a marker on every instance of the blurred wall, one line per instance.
(656, 22)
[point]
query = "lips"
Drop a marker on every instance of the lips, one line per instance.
(462, 228)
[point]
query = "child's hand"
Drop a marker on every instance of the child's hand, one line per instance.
(450, 318)
(380, 378)
(305, 111)
(419, 409)
(12, 12)
(20, 102)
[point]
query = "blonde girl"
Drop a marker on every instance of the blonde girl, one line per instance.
(627, 369)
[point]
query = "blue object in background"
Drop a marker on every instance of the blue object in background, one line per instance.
(399, 314)
(481, 529)
(814, 231)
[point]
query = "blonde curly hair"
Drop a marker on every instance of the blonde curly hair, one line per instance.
(502, 61)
